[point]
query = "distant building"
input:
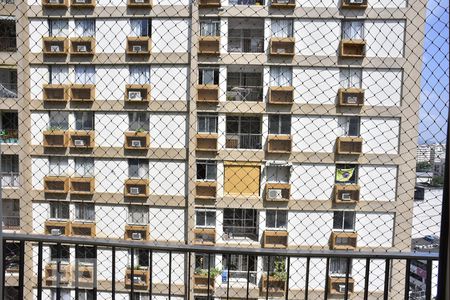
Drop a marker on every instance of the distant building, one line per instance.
(426, 211)
(439, 168)
(418, 270)
(437, 153)
(423, 153)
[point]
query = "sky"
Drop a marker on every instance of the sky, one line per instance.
(435, 74)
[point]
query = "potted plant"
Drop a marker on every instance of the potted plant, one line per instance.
(277, 278)
(201, 277)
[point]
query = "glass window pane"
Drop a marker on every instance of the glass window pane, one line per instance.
(337, 220)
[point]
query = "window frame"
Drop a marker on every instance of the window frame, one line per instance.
(211, 121)
(278, 218)
(279, 119)
(208, 164)
(60, 208)
(141, 165)
(344, 220)
(204, 218)
(144, 214)
(82, 210)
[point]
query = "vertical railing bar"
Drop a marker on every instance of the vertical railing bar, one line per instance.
(428, 280)
(150, 280)
(76, 272)
(228, 276)
(170, 274)
(287, 277)
(209, 276)
(386, 278)
(94, 275)
(58, 270)
(3, 264)
(188, 278)
(308, 262)
(366, 279)
(327, 270)
(407, 278)
(347, 275)
(113, 272)
(248, 277)
(39, 274)
(268, 274)
(21, 267)
(132, 274)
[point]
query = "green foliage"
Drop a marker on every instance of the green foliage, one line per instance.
(280, 270)
(213, 273)
(437, 181)
(423, 166)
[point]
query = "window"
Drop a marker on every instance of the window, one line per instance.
(85, 295)
(8, 32)
(243, 132)
(85, 253)
(338, 266)
(240, 266)
(64, 295)
(139, 121)
(279, 124)
(8, 83)
(11, 213)
(207, 123)
(138, 214)
(137, 168)
(11, 293)
(9, 127)
(141, 258)
(278, 174)
(280, 76)
(419, 193)
(344, 220)
(205, 218)
(64, 251)
(84, 120)
(353, 30)
(246, 2)
(240, 223)
(10, 170)
(58, 120)
(202, 261)
(244, 84)
(85, 212)
(58, 27)
(353, 126)
(206, 170)
(346, 173)
(282, 28)
(85, 27)
(140, 27)
(59, 211)
(84, 74)
(58, 165)
(58, 74)
(84, 166)
(208, 76)
(276, 219)
(350, 78)
(209, 27)
(139, 74)
(246, 35)
(139, 296)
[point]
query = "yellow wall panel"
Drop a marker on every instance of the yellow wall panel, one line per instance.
(242, 180)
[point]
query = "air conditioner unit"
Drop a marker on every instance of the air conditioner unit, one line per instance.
(78, 142)
(346, 196)
(135, 95)
(137, 48)
(281, 50)
(341, 288)
(136, 143)
(137, 279)
(55, 48)
(136, 236)
(282, 1)
(134, 190)
(80, 1)
(138, 1)
(53, 1)
(81, 48)
(352, 99)
(55, 231)
(355, 1)
(275, 194)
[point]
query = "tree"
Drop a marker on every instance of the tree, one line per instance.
(423, 166)
(437, 181)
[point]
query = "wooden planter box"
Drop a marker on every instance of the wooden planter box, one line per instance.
(138, 45)
(83, 229)
(346, 194)
(62, 226)
(55, 4)
(275, 239)
(336, 285)
(204, 236)
(205, 190)
(208, 93)
(349, 145)
(279, 144)
(209, 45)
(82, 139)
(82, 93)
(209, 3)
(135, 140)
(56, 184)
(283, 192)
(282, 46)
(83, 3)
(283, 95)
(141, 279)
(275, 285)
(137, 93)
(85, 274)
(55, 46)
(141, 229)
(139, 3)
(82, 46)
(343, 240)
(55, 92)
(136, 188)
(351, 97)
(352, 49)
(51, 271)
(347, 4)
(201, 283)
(55, 139)
(82, 185)
(290, 4)
(206, 142)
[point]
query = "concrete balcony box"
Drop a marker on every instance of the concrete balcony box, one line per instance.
(201, 283)
(209, 3)
(336, 285)
(139, 3)
(83, 4)
(82, 45)
(56, 184)
(82, 139)
(342, 240)
(57, 227)
(85, 274)
(55, 139)
(82, 185)
(279, 144)
(275, 239)
(136, 188)
(55, 92)
(277, 286)
(276, 192)
(49, 4)
(205, 190)
(140, 278)
(204, 236)
(140, 45)
(351, 97)
(208, 93)
(137, 232)
(352, 49)
(55, 46)
(354, 4)
(282, 46)
(51, 271)
(137, 93)
(137, 140)
(82, 93)
(283, 4)
(349, 145)
(346, 193)
(209, 45)
(282, 95)
(206, 142)
(79, 228)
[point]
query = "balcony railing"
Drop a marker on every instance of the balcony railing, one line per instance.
(246, 44)
(11, 222)
(245, 93)
(10, 179)
(8, 44)
(239, 232)
(244, 141)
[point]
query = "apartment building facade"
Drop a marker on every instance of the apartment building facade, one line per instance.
(288, 124)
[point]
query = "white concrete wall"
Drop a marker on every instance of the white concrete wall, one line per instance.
(377, 182)
(382, 87)
(317, 181)
(111, 81)
(167, 178)
(111, 35)
(385, 38)
(221, 130)
(170, 35)
(319, 3)
(40, 169)
(39, 123)
(39, 76)
(375, 229)
(380, 135)
(169, 82)
(317, 37)
(336, 3)
(111, 220)
(161, 268)
(40, 214)
(110, 128)
(110, 175)
(316, 85)
(308, 228)
(168, 131)
(167, 224)
(37, 29)
(376, 282)
(427, 214)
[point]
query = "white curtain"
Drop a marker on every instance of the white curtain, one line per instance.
(85, 212)
(59, 27)
(58, 166)
(208, 76)
(209, 28)
(138, 168)
(351, 78)
(282, 28)
(85, 28)
(138, 121)
(84, 166)
(58, 120)
(139, 27)
(353, 30)
(59, 74)
(139, 74)
(85, 74)
(138, 215)
(64, 295)
(280, 76)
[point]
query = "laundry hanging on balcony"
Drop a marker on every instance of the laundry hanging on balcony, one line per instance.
(344, 175)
